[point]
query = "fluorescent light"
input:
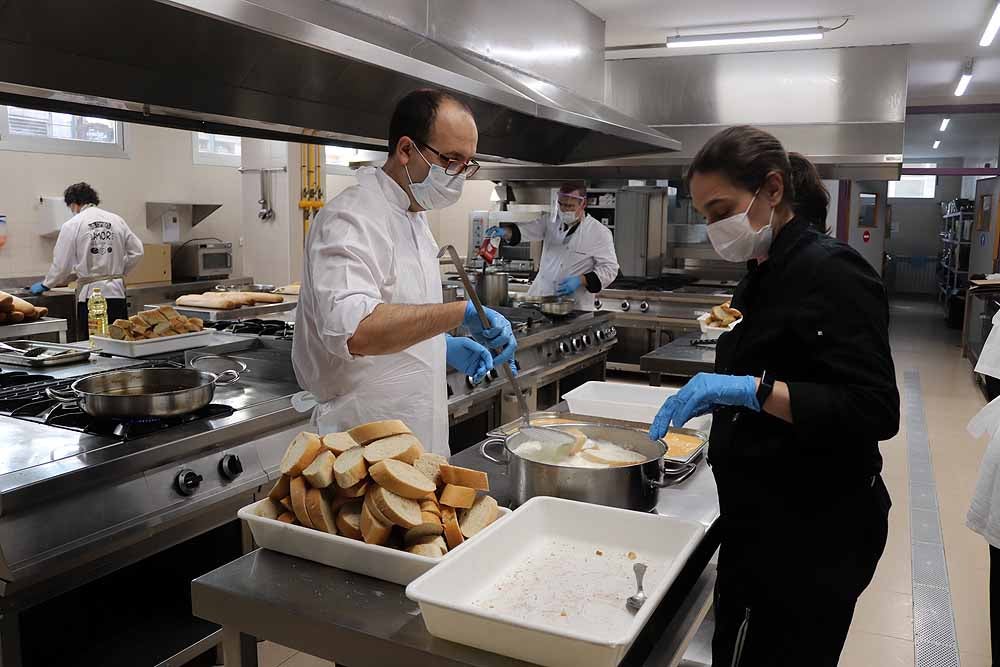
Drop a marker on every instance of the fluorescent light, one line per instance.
(991, 28)
(936, 144)
(734, 38)
(944, 124)
(963, 83)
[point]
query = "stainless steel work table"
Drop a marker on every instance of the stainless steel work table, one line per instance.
(678, 358)
(45, 325)
(358, 621)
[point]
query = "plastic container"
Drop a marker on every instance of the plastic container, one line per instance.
(149, 346)
(627, 402)
(714, 332)
(399, 567)
(548, 585)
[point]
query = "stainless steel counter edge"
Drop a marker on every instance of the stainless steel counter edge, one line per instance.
(124, 459)
(663, 296)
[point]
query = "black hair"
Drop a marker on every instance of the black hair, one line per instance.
(414, 115)
(570, 188)
(746, 155)
(81, 194)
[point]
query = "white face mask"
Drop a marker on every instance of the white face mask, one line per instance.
(566, 217)
(736, 241)
(438, 189)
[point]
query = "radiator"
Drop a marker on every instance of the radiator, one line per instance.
(912, 274)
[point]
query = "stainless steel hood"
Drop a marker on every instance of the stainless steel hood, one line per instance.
(299, 70)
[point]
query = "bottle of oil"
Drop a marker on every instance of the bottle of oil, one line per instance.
(97, 314)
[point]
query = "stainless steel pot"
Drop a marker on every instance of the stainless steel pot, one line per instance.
(449, 293)
(492, 288)
(145, 392)
(556, 306)
(634, 487)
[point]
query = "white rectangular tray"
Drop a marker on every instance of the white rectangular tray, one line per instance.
(712, 333)
(555, 600)
(399, 567)
(149, 346)
(627, 402)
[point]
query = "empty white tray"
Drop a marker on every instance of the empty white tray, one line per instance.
(400, 567)
(148, 346)
(628, 402)
(535, 588)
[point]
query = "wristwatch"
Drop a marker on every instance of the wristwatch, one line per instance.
(764, 389)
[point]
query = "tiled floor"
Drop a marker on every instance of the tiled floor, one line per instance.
(882, 633)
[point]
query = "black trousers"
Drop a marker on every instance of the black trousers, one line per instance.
(117, 310)
(995, 603)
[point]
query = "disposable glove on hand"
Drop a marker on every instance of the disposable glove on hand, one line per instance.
(468, 356)
(498, 336)
(700, 395)
(38, 288)
(496, 231)
(568, 286)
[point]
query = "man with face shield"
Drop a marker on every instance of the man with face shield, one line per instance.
(578, 254)
(370, 340)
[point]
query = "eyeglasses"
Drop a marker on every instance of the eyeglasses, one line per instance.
(455, 167)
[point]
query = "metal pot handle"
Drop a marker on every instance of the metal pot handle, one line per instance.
(62, 395)
(231, 375)
(487, 456)
(671, 479)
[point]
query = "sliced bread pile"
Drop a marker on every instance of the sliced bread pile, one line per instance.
(163, 321)
(14, 310)
(376, 483)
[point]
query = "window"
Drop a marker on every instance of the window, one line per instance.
(914, 187)
(52, 132)
(219, 150)
(339, 158)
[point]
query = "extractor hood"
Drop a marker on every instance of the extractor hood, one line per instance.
(295, 70)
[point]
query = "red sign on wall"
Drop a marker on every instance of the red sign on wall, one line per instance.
(867, 236)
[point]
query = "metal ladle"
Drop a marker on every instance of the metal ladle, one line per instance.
(547, 436)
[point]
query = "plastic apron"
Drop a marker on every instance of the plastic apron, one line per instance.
(561, 258)
(409, 385)
(984, 510)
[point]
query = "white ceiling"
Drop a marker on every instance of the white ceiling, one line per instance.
(942, 33)
(975, 137)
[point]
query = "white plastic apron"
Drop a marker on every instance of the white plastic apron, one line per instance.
(562, 258)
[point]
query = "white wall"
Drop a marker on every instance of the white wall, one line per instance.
(872, 250)
(160, 168)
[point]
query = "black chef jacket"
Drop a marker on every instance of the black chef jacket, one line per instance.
(815, 316)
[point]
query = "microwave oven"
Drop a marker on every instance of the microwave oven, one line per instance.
(201, 260)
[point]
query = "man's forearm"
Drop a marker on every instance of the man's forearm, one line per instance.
(393, 327)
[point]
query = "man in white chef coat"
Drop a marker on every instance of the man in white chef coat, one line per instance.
(370, 327)
(578, 252)
(92, 243)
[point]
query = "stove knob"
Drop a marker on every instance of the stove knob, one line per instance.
(230, 467)
(643, 307)
(599, 334)
(597, 304)
(577, 344)
(625, 306)
(612, 332)
(187, 482)
(471, 381)
(587, 340)
(564, 347)
(493, 374)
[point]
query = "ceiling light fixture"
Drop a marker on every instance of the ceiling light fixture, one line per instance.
(944, 124)
(991, 28)
(966, 77)
(756, 37)
(936, 144)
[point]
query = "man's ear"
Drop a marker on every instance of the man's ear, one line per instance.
(404, 150)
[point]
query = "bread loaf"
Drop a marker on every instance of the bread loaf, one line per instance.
(373, 431)
(319, 512)
(452, 530)
(303, 450)
(474, 479)
(349, 520)
(404, 448)
(6, 302)
(338, 443)
(21, 306)
(482, 513)
(350, 468)
(401, 511)
(40, 312)
(216, 301)
(430, 464)
(319, 473)
(260, 297)
(15, 316)
(299, 490)
(400, 478)
(458, 496)
(373, 531)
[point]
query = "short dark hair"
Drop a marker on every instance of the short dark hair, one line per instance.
(573, 189)
(414, 115)
(81, 194)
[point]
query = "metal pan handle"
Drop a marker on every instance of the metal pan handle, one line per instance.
(672, 477)
(67, 396)
(227, 376)
(486, 455)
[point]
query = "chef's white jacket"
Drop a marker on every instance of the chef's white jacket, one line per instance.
(366, 248)
(590, 248)
(984, 510)
(94, 242)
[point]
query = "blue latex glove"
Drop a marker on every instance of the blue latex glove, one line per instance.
(38, 288)
(495, 230)
(568, 286)
(700, 395)
(498, 336)
(468, 356)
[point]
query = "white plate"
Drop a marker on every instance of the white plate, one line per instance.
(555, 600)
(400, 567)
(148, 346)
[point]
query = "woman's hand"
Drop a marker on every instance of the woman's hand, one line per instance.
(700, 395)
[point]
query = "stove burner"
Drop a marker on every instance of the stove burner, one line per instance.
(128, 429)
(18, 378)
(257, 327)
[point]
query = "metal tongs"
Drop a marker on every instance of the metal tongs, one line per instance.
(547, 436)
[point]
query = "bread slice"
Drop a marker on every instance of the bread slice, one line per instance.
(401, 511)
(435, 539)
(431, 526)
(356, 491)
(474, 479)
(162, 329)
(452, 530)
(116, 332)
(196, 322)
(299, 490)
(375, 511)
(458, 496)
(350, 468)
(168, 312)
(303, 450)
(319, 473)
(430, 506)
(287, 517)
(401, 478)
(270, 509)
(373, 431)
(404, 448)
(430, 464)
(138, 324)
(428, 549)
(482, 513)
(319, 512)
(372, 530)
(349, 520)
(338, 443)
(286, 502)
(337, 501)
(152, 317)
(615, 459)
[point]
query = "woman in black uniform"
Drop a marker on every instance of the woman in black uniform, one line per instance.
(804, 389)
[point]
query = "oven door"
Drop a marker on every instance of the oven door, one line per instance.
(214, 262)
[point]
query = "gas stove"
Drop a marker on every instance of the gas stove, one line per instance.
(255, 327)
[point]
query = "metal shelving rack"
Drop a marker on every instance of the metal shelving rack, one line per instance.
(953, 272)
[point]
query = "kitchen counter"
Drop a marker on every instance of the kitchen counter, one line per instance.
(678, 358)
(363, 622)
(46, 325)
